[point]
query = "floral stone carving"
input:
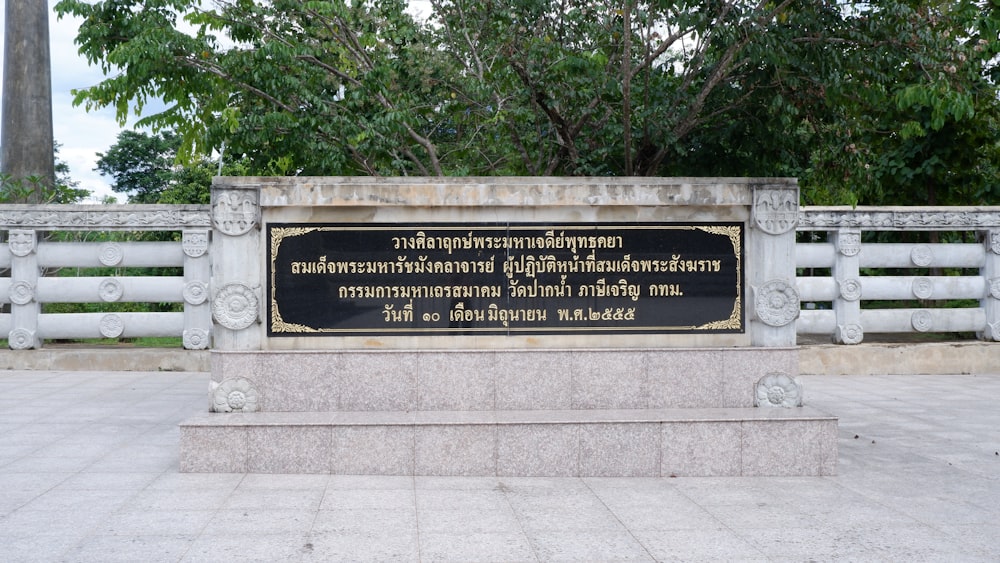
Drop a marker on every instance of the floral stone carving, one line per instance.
(995, 288)
(233, 395)
(776, 303)
(235, 306)
(778, 390)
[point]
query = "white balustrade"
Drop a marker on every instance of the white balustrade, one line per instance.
(28, 253)
(850, 283)
(834, 303)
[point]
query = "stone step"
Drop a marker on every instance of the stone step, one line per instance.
(613, 443)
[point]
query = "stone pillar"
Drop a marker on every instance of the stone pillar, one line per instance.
(770, 265)
(846, 273)
(26, 136)
(237, 266)
(197, 272)
(24, 273)
(991, 273)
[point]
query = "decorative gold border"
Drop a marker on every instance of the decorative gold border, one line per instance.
(733, 232)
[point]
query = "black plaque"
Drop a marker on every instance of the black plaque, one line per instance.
(391, 279)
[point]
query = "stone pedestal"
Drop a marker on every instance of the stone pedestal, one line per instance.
(716, 398)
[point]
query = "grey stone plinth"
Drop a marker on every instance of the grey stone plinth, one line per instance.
(483, 380)
(592, 442)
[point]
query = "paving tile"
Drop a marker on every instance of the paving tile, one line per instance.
(382, 545)
(474, 545)
(587, 545)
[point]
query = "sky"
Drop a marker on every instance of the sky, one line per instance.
(80, 133)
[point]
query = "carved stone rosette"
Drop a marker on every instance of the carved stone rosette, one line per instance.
(778, 390)
(21, 339)
(995, 242)
(995, 288)
(922, 320)
(776, 303)
(195, 292)
(111, 290)
(235, 212)
(775, 211)
(195, 339)
(111, 254)
(850, 334)
(21, 242)
(21, 293)
(235, 306)
(236, 394)
(112, 326)
(195, 243)
(850, 289)
(922, 288)
(921, 255)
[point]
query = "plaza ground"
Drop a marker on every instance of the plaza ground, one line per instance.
(89, 472)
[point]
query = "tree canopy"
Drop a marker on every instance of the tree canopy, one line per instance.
(864, 102)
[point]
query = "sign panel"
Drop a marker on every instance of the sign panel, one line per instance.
(511, 278)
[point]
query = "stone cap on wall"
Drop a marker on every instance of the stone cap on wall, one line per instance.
(502, 191)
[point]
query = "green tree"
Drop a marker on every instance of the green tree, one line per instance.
(829, 92)
(146, 168)
(140, 164)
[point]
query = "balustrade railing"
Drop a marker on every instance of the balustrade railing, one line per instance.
(37, 242)
(849, 283)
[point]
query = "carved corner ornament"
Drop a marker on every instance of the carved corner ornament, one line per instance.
(21, 242)
(236, 306)
(775, 211)
(235, 212)
(236, 394)
(850, 334)
(778, 390)
(849, 242)
(776, 303)
(22, 339)
(194, 243)
(195, 339)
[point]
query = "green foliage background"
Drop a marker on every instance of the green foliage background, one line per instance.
(866, 103)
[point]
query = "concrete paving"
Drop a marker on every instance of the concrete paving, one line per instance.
(89, 472)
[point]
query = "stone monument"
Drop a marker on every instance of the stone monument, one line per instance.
(506, 326)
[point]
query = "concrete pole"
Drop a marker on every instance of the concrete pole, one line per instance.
(26, 136)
